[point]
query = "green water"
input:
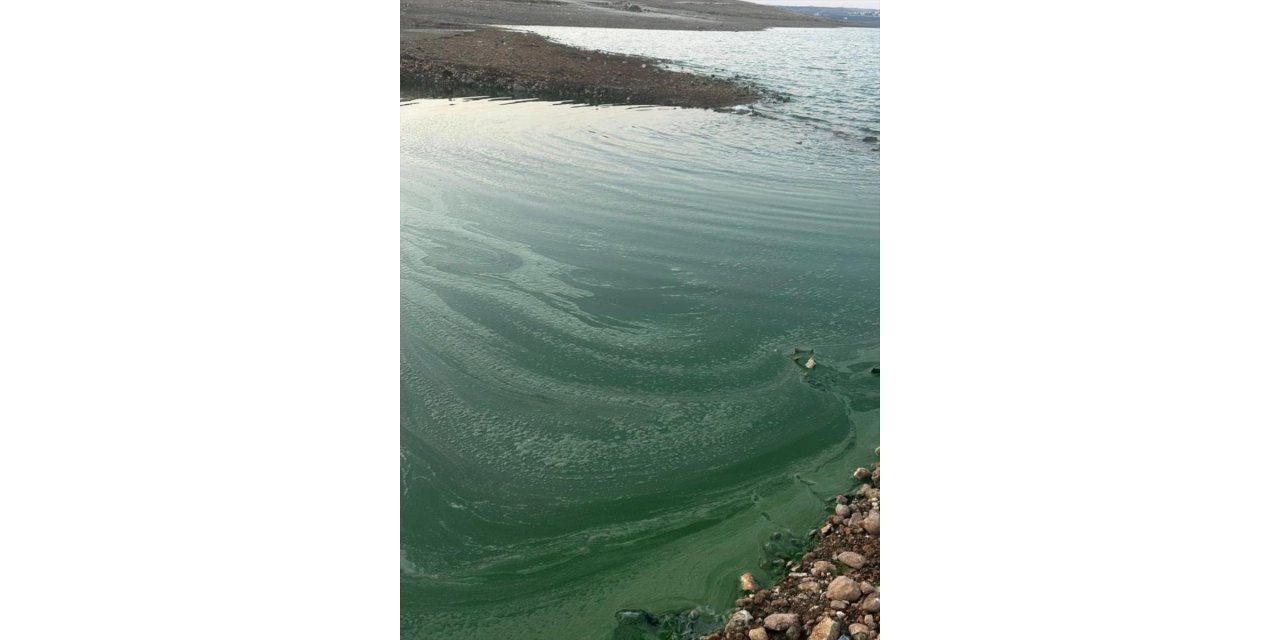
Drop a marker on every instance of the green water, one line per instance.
(599, 410)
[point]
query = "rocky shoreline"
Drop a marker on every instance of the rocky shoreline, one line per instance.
(833, 591)
(496, 62)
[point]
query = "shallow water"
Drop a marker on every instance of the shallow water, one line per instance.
(599, 412)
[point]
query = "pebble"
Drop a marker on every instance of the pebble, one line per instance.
(843, 510)
(758, 633)
(862, 473)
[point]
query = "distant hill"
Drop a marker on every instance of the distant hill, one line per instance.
(709, 15)
(852, 17)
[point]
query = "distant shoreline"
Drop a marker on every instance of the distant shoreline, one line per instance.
(720, 15)
(445, 63)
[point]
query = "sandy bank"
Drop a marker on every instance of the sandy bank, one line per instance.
(508, 63)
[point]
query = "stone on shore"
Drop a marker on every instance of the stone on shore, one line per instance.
(859, 631)
(862, 473)
(758, 633)
(747, 582)
(870, 604)
(826, 629)
(739, 621)
(851, 559)
(872, 522)
(843, 510)
(822, 568)
(781, 621)
(843, 588)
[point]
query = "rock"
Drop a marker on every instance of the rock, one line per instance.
(739, 621)
(781, 621)
(811, 586)
(866, 587)
(826, 629)
(843, 510)
(875, 476)
(862, 473)
(851, 559)
(870, 603)
(865, 139)
(877, 448)
(842, 500)
(823, 568)
(864, 491)
(839, 604)
(747, 582)
(758, 633)
(872, 522)
(843, 588)
(859, 631)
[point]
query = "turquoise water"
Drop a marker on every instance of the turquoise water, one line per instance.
(599, 409)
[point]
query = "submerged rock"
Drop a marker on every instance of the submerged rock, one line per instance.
(748, 583)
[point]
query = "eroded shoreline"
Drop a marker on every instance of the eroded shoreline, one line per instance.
(498, 62)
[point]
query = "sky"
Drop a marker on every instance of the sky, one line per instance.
(860, 4)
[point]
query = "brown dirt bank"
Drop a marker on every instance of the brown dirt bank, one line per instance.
(709, 15)
(508, 63)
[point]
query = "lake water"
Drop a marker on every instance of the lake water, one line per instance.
(599, 409)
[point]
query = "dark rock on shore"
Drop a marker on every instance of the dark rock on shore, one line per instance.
(520, 65)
